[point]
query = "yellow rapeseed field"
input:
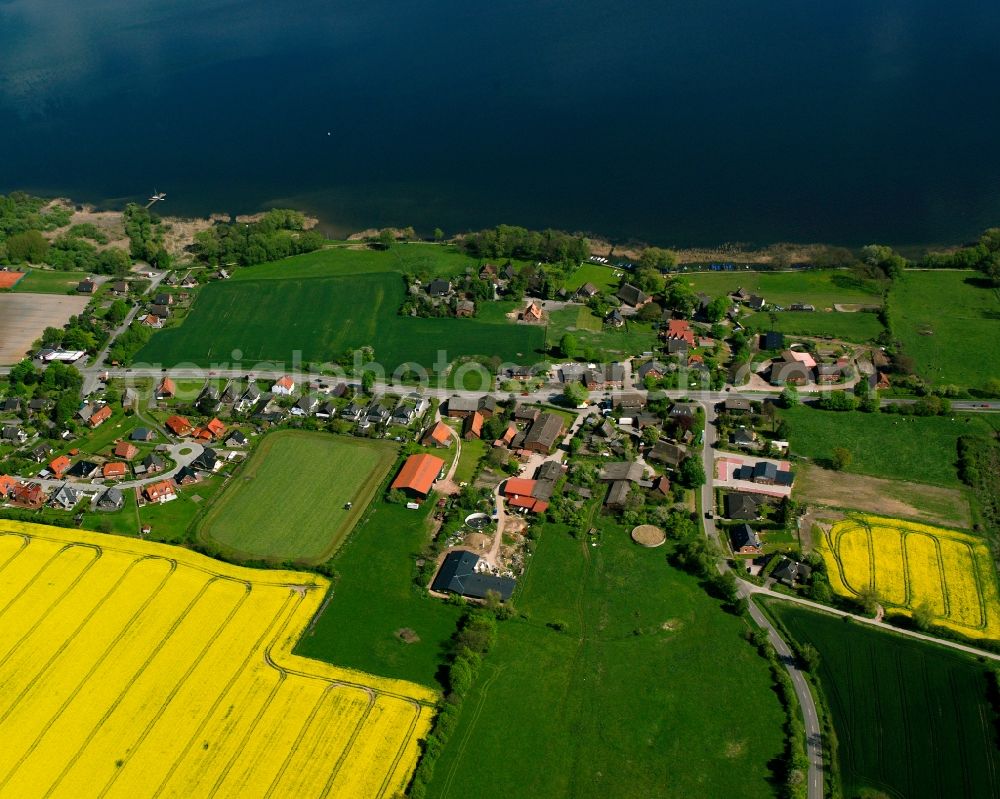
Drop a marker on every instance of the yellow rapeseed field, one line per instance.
(134, 669)
(915, 564)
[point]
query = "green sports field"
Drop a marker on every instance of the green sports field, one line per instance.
(949, 323)
(821, 287)
(44, 281)
(618, 677)
(288, 501)
(912, 720)
(323, 304)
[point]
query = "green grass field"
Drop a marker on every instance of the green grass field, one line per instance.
(590, 332)
(356, 258)
(288, 501)
(601, 276)
(921, 449)
(950, 324)
(648, 691)
(374, 597)
(821, 287)
(42, 281)
(858, 327)
(911, 719)
(322, 316)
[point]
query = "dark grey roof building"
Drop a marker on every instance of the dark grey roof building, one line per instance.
(458, 575)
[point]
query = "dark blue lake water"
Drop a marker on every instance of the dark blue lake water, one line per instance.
(673, 122)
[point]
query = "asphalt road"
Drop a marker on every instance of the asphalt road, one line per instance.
(814, 737)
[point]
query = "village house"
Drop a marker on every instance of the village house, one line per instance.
(586, 291)
(614, 318)
(7, 485)
(472, 427)
(86, 286)
(460, 574)
(284, 387)
(789, 572)
(744, 539)
(249, 398)
(465, 308)
(150, 465)
(167, 389)
(126, 450)
(306, 405)
(100, 416)
(111, 500)
(764, 473)
(772, 341)
(632, 295)
(438, 435)
(143, 434)
(670, 455)
(162, 491)
(59, 466)
(114, 470)
(153, 321)
(13, 433)
(83, 470)
(438, 288)
(679, 330)
(794, 368)
(178, 425)
(532, 313)
(653, 369)
(236, 439)
(741, 507)
(65, 497)
(28, 495)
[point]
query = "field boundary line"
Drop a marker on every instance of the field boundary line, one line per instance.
(54, 604)
(42, 569)
(237, 673)
(167, 635)
(86, 678)
(417, 708)
(206, 647)
(460, 752)
(294, 748)
(25, 540)
(372, 698)
(86, 619)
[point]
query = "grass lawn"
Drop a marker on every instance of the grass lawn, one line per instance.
(374, 596)
(171, 522)
(44, 281)
(648, 690)
(950, 324)
(859, 327)
(921, 449)
(323, 316)
(472, 453)
(288, 502)
(591, 333)
(820, 287)
(911, 719)
(601, 276)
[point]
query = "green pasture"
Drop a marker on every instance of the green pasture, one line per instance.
(858, 327)
(820, 287)
(47, 281)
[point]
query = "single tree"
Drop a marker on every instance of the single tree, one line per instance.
(841, 458)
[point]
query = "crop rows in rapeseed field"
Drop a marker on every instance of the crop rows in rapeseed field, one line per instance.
(129, 668)
(912, 565)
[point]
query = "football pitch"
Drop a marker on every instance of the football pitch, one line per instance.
(289, 502)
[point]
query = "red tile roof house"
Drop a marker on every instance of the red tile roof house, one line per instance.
(123, 449)
(115, 470)
(29, 495)
(166, 389)
(163, 491)
(178, 425)
(519, 493)
(210, 432)
(418, 475)
(680, 330)
(284, 387)
(100, 416)
(59, 466)
(7, 485)
(439, 436)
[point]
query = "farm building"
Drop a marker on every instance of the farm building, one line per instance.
(418, 474)
(458, 575)
(532, 495)
(472, 427)
(632, 295)
(544, 433)
(765, 473)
